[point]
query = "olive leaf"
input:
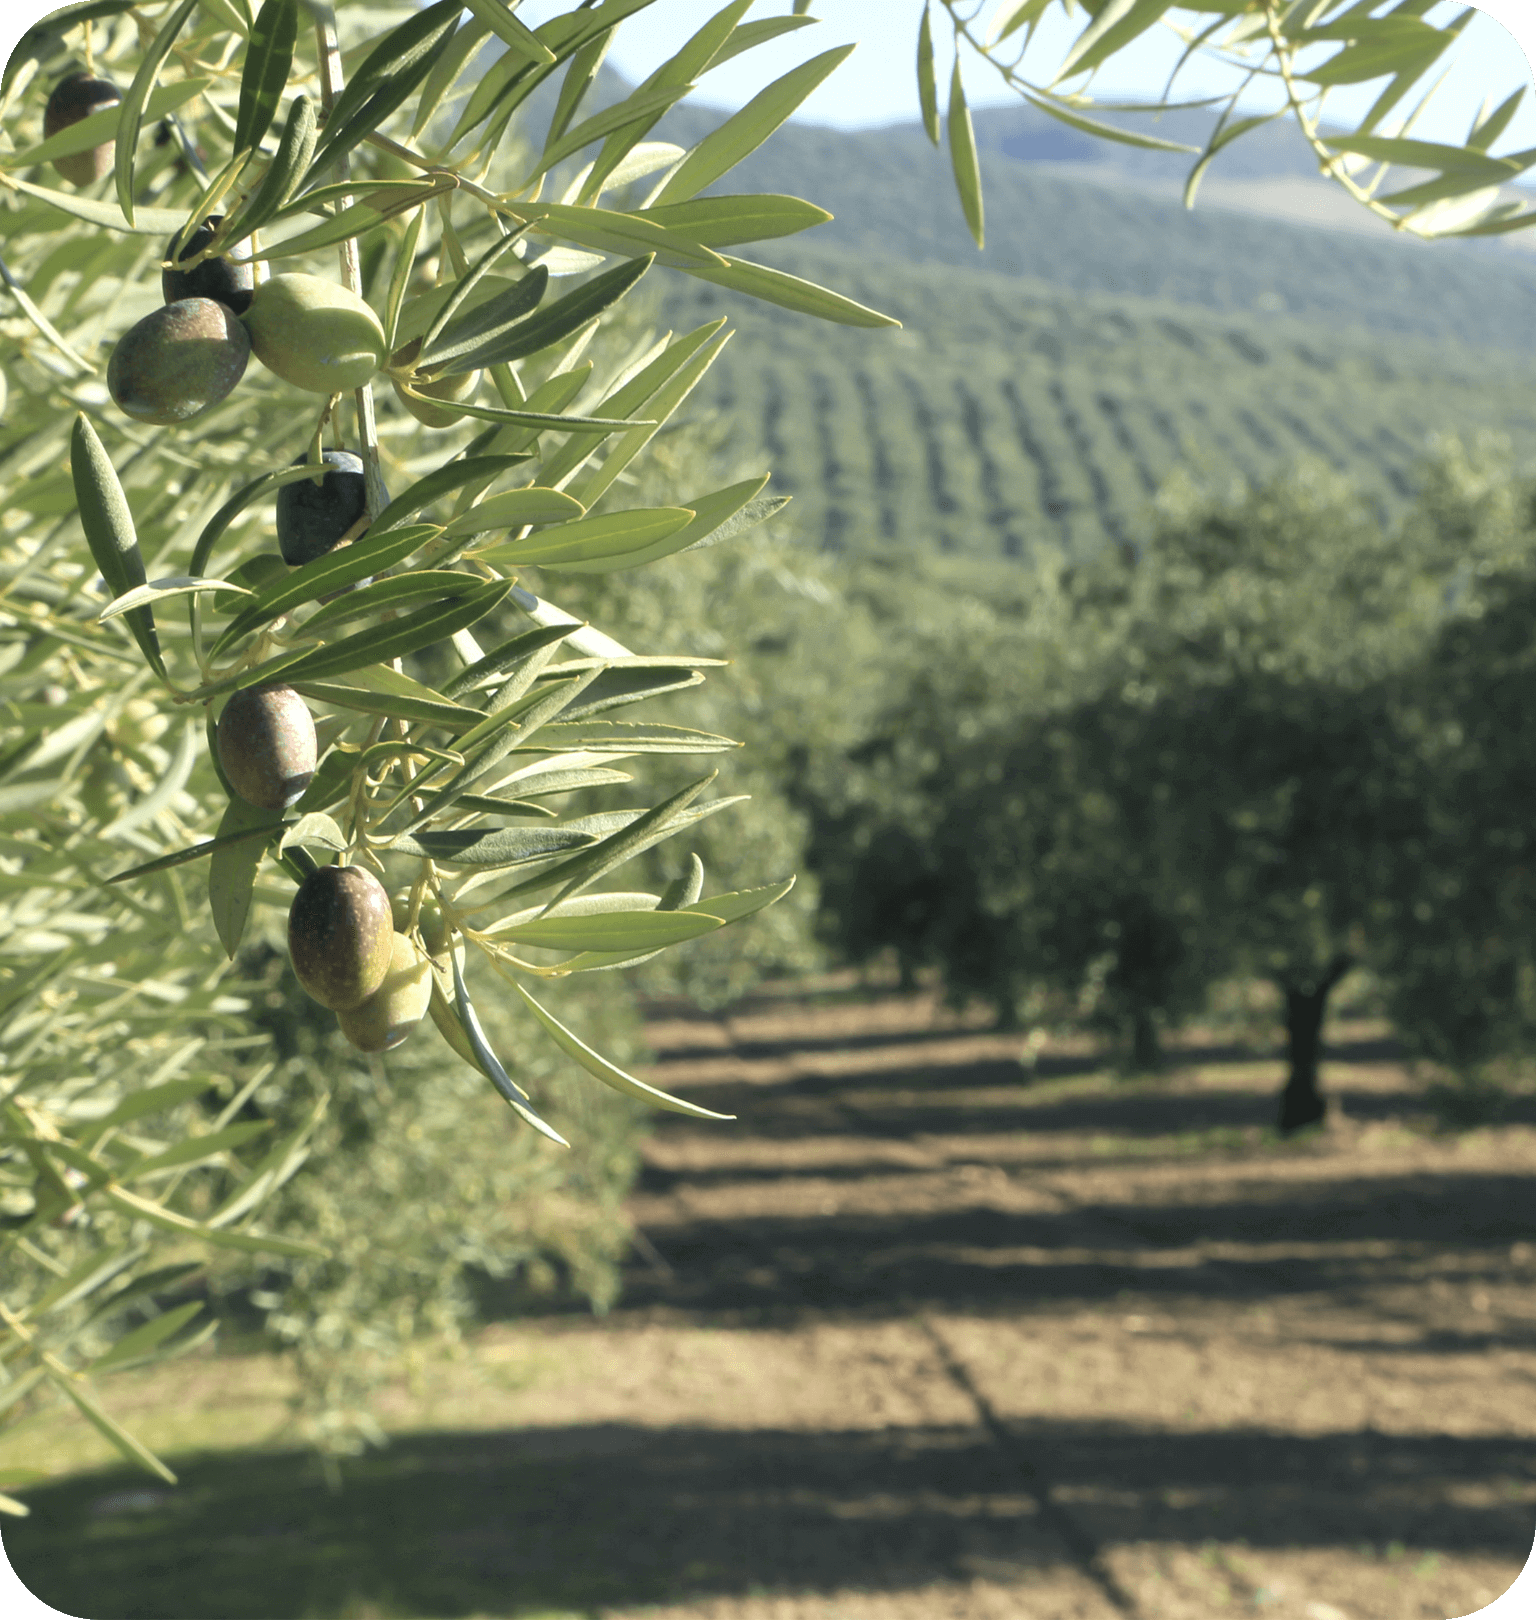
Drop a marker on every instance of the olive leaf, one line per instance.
(110, 533)
(268, 58)
(131, 114)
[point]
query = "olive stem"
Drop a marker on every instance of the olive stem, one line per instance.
(351, 269)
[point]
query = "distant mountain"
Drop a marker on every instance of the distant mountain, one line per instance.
(893, 198)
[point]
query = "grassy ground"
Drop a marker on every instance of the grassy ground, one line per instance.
(916, 1337)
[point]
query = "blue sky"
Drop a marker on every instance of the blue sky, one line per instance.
(876, 86)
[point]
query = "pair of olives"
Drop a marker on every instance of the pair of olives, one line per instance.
(348, 954)
(186, 357)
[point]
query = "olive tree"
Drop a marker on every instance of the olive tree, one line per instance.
(224, 230)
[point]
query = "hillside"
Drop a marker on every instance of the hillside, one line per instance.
(1010, 413)
(1039, 392)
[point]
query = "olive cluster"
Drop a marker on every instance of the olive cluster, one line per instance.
(187, 356)
(350, 949)
(343, 940)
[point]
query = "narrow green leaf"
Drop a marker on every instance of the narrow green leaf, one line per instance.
(359, 220)
(268, 57)
(400, 279)
(1487, 130)
(614, 931)
(110, 533)
(317, 830)
(500, 733)
(1115, 26)
(580, 75)
(232, 871)
(700, 52)
(1434, 155)
(555, 322)
(144, 1340)
(193, 852)
(721, 221)
(927, 84)
(131, 114)
(194, 1149)
(514, 509)
(516, 36)
(590, 540)
(748, 36)
(446, 70)
(295, 152)
(249, 1242)
(729, 908)
(157, 590)
(386, 77)
(710, 524)
(500, 846)
(1222, 137)
(133, 1450)
(641, 104)
(682, 892)
(484, 322)
(627, 737)
(790, 292)
(740, 135)
(101, 126)
(139, 1104)
(393, 593)
(627, 235)
(146, 221)
(524, 296)
(1096, 126)
(397, 639)
(601, 1069)
(1374, 59)
(444, 481)
(662, 404)
(95, 1271)
(504, 657)
(962, 156)
(630, 397)
(533, 419)
(489, 1063)
(377, 550)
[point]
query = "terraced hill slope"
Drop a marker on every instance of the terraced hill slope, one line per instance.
(1011, 413)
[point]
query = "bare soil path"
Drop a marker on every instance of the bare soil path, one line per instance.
(922, 1337)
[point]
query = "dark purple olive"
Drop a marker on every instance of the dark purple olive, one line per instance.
(266, 739)
(228, 279)
(178, 362)
(312, 517)
(75, 98)
(340, 936)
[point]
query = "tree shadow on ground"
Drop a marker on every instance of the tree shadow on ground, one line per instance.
(572, 1519)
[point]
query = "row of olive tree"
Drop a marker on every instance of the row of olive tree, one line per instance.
(1278, 741)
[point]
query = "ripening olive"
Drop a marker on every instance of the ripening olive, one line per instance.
(430, 922)
(75, 98)
(266, 739)
(229, 279)
(314, 334)
(396, 1007)
(312, 517)
(340, 938)
(178, 362)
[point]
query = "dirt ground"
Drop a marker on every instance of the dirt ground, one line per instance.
(923, 1336)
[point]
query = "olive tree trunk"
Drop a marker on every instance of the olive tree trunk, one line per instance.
(1301, 1102)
